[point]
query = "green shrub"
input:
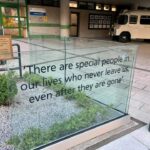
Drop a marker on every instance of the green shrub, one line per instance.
(8, 88)
(32, 78)
(90, 110)
(34, 137)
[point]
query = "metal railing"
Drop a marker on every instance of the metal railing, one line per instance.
(19, 61)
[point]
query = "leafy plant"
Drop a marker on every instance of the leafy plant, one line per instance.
(34, 137)
(90, 110)
(32, 78)
(8, 88)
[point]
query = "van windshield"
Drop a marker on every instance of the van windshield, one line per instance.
(122, 19)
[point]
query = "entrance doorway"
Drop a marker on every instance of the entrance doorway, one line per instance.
(74, 24)
(13, 20)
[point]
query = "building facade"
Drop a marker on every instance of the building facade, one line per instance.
(61, 18)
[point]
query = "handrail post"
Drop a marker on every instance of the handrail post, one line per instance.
(19, 59)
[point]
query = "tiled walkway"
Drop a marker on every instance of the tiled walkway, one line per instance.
(137, 140)
(140, 99)
(139, 106)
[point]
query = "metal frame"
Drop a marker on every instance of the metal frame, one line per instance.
(17, 6)
(119, 121)
(19, 61)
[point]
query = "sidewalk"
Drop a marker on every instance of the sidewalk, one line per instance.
(139, 105)
(137, 140)
(140, 96)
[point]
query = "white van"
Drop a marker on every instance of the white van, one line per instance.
(132, 25)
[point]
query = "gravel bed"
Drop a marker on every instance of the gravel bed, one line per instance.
(5, 128)
(22, 115)
(40, 114)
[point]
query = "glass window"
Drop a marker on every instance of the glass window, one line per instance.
(133, 19)
(99, 21)
(83, 5)
(73, 4)
(106, 7)
(33, 2)
(91, 6)
(145, 20)
(13, 32)
(55, 3)
(7, 11)
(57, 99)
(98, 6)
(123, 19)
(23, 22)
(10, 22)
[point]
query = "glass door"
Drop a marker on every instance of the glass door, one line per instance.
(74, 24)
(10, 20)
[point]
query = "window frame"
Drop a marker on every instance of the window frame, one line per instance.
(142, 19)
(125, 22)
(133, 22)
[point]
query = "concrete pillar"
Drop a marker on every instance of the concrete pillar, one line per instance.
(64, 19)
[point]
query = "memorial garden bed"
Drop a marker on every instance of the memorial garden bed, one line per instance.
(81, 112)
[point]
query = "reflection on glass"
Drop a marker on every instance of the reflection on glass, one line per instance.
(7, 11)
(22, 11)
(10, 22)
(24, 32)
(23, 22)
(13, 32)
(68, 90)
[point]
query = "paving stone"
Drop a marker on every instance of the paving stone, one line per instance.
(138, 114)
(142, 96)
(147, 88)
(145, 108)
(142, 135)
(139, 85)
(134, 91)
(124, 143)
(136, 104)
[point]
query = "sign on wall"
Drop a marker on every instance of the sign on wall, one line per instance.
(99, 21)
(37, 12)
(5, 47)
(38, 15)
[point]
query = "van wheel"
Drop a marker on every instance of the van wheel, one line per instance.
(124, 37)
